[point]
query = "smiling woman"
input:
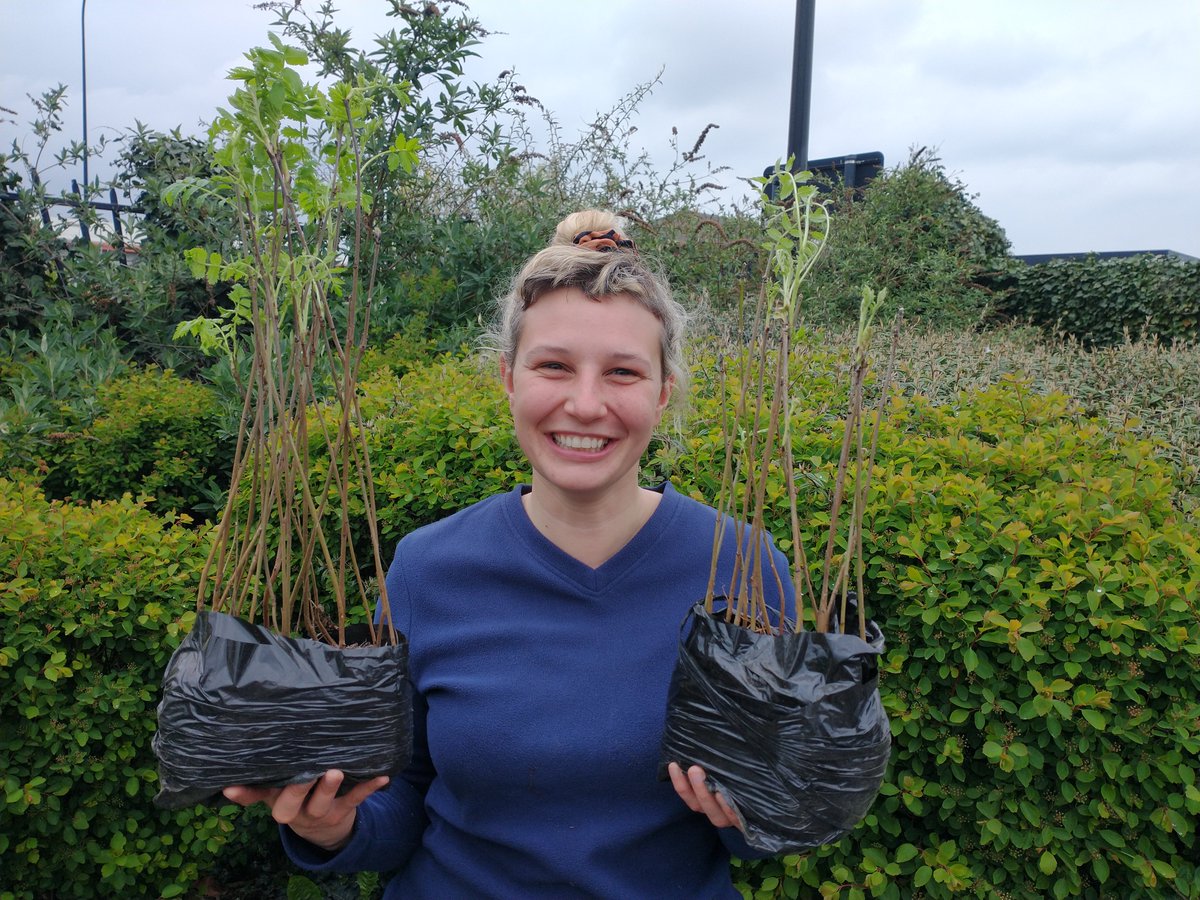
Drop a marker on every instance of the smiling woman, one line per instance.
(543, 626)
(586, 391)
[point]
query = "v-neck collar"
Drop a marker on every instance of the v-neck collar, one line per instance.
(593, 580)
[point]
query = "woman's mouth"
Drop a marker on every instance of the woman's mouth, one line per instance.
(579, 442)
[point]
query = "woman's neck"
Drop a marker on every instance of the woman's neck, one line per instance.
(591, 531)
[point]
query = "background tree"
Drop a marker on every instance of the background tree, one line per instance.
(916, 231)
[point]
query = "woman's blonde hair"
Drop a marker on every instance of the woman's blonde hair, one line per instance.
(598, 274)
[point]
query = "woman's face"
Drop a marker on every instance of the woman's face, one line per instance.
(586, 391)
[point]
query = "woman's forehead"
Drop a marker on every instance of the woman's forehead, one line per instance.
(569, 319)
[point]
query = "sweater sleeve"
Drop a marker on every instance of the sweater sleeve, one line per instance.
(390, 822)
(735, 843)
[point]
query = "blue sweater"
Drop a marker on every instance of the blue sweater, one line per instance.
(540, 689)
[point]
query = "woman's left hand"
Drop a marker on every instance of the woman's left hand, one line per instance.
(692, 788)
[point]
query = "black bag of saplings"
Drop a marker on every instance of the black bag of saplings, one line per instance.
(244, 705)
(789, 727)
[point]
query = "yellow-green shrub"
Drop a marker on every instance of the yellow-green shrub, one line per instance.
(1035, 583)
(1037, 588)
(1038, 592)
(93, 600)
(446, 441)
(156, 434)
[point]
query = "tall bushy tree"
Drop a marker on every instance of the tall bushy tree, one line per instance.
(498, 171)
(916, 231)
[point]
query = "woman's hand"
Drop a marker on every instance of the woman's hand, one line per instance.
(313, 810)
(692, 788)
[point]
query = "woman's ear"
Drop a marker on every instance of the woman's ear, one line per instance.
(506, 376)
(664, 396)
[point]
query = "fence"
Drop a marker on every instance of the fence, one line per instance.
(79, 202)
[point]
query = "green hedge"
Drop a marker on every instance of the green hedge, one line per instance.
(93, 600)
(1038, 592)
(155, 434)
(1036, 586)
(1103, 301)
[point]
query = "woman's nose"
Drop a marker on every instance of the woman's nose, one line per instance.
(586, 400)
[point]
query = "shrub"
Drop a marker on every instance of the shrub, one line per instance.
(446, 441)
(439, 438)
(1037, 590)
(1036, 586)
(49, 390)
(156, 434)
(917, 232)
(1104, 302)
(93, 600)
(1139, 387)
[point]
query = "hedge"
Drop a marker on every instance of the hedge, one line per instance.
(155, 434)
(1035, 582)
(93, 600)
(1038, 590)
(1037, 587)
(1103, 301)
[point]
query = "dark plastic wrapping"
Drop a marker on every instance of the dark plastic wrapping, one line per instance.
(790, 728)
(244, 705)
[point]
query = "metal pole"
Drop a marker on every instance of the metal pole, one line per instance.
(83, 52)
(802, 55)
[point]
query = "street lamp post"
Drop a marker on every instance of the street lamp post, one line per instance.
(83, 52)
(802, 59)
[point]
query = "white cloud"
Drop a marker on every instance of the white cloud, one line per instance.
(1049, 110)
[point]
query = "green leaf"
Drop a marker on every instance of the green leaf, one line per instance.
(1048, 863)
(905, 852)
(1095, 718)
(301, 888)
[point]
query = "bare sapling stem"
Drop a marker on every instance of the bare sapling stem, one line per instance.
(835, 506)
(291, 165)
(796, 232)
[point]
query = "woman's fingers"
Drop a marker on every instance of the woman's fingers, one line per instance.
(363, 790)
(313, 801)
(728, 810)
(244, 795)
(683, 787)
(692, 787)
(312, 809)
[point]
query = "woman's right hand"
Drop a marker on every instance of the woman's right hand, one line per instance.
(313, 810)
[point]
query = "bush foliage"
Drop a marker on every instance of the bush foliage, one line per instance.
(93, 600)
(1033, 577)
(1037, 588)
(1104, 302)
(916, 231)
(155, 434)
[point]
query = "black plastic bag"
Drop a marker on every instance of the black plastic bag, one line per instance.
(244, 705)
(790, 728)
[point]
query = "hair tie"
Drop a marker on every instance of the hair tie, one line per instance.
(604, 241)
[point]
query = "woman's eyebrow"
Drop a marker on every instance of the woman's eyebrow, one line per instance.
(617, 355)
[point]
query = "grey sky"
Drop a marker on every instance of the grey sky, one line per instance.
(1077, 122)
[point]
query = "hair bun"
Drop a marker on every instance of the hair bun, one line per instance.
(585, 221)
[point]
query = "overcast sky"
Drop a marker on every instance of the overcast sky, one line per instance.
(1077, 122)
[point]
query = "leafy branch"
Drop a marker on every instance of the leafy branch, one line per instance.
(291, 163)
(796, 234)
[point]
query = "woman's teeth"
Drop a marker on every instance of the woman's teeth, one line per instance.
(575, 442)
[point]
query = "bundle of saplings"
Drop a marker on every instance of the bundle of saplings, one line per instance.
(273, 686)
(785, 719)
